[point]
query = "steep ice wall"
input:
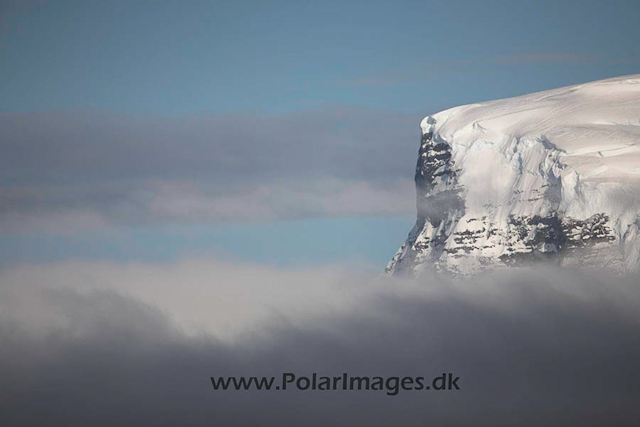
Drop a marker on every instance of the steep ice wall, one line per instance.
(552, 176)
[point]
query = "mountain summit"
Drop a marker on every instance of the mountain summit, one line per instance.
(553, 176)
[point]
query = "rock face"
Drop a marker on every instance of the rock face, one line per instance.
(552, 176)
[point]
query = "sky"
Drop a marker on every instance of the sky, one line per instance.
(221, 117)
(282, 56)
(195, 188)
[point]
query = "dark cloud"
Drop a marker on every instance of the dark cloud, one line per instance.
(123, 168)
(549, 348)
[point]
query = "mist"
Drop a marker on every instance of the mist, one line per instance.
(89, 170)
(103, 343)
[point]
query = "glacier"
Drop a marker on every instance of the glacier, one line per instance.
(552, 176)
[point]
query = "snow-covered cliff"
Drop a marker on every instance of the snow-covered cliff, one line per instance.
(552, 176)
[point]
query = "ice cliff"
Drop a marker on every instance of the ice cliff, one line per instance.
(551, 176)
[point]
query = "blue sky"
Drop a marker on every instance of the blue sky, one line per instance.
(146, 120)
(178, 57)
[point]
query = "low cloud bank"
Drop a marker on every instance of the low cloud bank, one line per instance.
(69, 210)
(70, 171)
(114, 344)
